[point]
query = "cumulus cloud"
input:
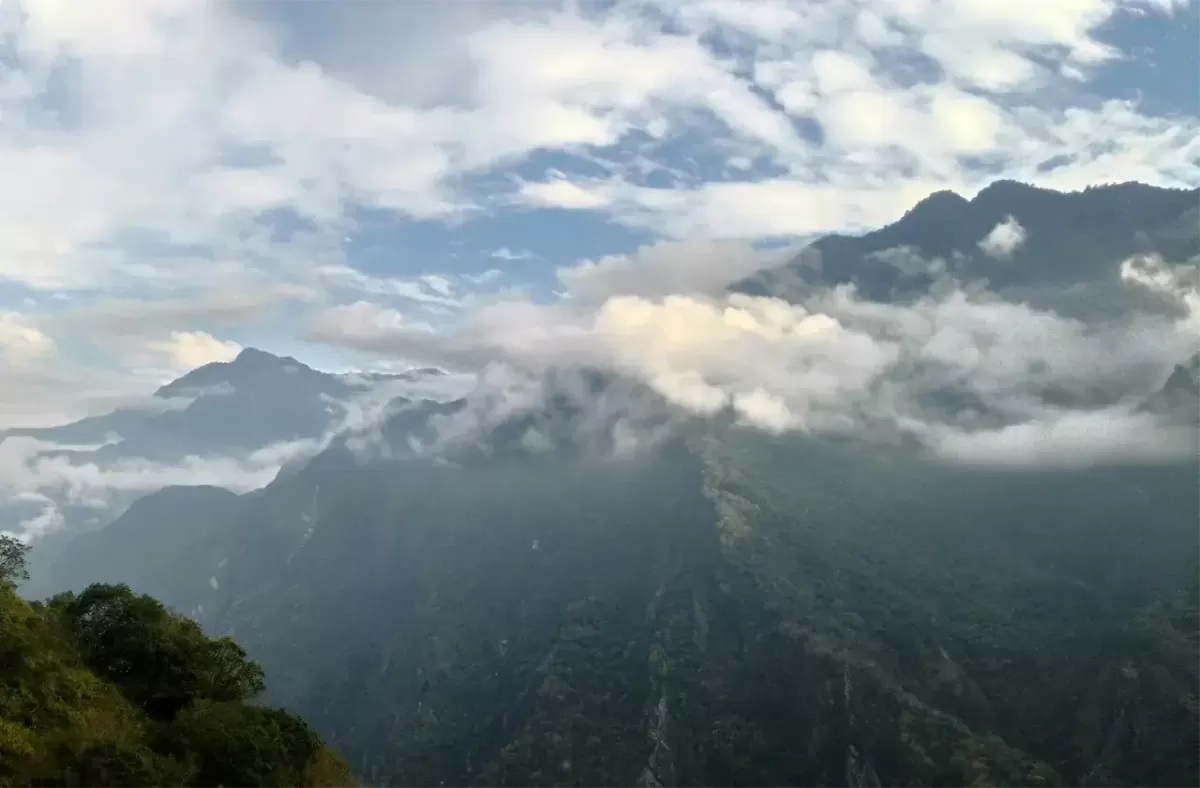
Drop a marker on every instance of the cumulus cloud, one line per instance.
(20, 340)
(1004, 239)
(190, 349)
(694, 266)
(960, 369)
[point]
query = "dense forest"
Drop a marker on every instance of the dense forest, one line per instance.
(109, 688)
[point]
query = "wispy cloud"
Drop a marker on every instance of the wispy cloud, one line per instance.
(504, 253)
(691, 267)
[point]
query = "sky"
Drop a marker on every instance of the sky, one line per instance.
(325, 179)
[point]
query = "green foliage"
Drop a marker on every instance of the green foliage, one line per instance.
(12, 560)
(236, 744)
(110, 688)
(161, 662)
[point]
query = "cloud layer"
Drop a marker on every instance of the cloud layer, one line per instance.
(971, 376)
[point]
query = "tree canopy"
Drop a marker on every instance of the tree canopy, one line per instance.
(12, 560)
(109, 687)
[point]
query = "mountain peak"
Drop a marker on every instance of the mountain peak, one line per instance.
(1186, 375)
(1180, 394)
(942, 205)
(1007, 187)
(252, 356)
(250, 364)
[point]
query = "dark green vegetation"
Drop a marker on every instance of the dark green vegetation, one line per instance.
(107, 687)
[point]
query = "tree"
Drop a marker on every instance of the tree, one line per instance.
(12, 560)
(108, 687)
(161, 661)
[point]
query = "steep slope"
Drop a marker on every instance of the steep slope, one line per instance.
(143, 548)
(726, 609)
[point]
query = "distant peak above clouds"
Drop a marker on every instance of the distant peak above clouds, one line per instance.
(1010, 233)
(250, 365)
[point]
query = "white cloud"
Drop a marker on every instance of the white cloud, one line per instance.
(1004, 239)
(363, 317)
(1070, 440)
(20, 341)
(504, 253)
(696, 266)
(560, 193)
(1178, 284)
(484, 277)
(187, 350)
(985, 93)
(431, 293)
(961, 370)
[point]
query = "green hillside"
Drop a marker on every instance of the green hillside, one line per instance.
(109, 688)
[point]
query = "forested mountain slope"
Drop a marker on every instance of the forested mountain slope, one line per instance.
(727, 609)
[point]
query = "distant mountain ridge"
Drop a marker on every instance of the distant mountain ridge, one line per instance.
(220, 410)
(1069, 238)
(250, 402)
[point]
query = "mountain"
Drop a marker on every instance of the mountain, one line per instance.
(144, 547)
(210, 423)
(719, 607)
(723, 608)
(1180, 393)
(590, 588)
(1071, 241)
(245, 404)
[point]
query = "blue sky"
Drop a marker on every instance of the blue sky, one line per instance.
(184, 178)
